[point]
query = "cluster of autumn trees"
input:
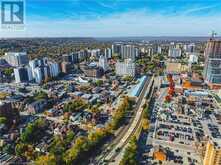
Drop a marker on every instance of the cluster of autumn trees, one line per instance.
(117, 118)
(121, 111)
(38, 96)
(73, 151)
(130, 154)
(31, 135)
(128, 78)
(57, 149)
(84, 147)
(34, 131)
(151, 63)
(74, 106)
(68, 149)
(146, 116)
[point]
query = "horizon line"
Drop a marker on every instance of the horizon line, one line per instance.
(154, 36)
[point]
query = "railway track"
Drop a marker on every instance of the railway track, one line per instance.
(138, 124)
(134, 125)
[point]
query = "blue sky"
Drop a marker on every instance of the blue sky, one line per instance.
(115, 18)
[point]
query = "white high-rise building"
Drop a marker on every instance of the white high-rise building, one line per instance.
(125, 68)
(38, 70)
(150, 51)
(38, 75)
(33, 64)
(42, 69)
(17, 75)
(108, 52)
(174, 52)
(22, 74)
(54, 69)
(137, 52)
(103, 63)
(116, 48)
(129, 51)
(16, 58)
(159, 49)
(30, 74)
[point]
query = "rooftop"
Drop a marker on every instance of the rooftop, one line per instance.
(135, 91)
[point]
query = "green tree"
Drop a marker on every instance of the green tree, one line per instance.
(74, 106)
(20, 149)
(128, 78)
(99, 82)
(40, 95)
(120, 112)
(72, 155)
(95, 109)
(8, 148)
(8, 71)
(69, 137)
(85, 146)
(34, 131)
(3, 120)
(46, 160)
(57, 147)
(130, 154)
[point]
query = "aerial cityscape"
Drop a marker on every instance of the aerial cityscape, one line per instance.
(84, 90)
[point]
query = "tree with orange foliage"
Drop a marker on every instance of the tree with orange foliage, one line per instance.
(168, 98)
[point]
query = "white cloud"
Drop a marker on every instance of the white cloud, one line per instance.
(199, 9)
